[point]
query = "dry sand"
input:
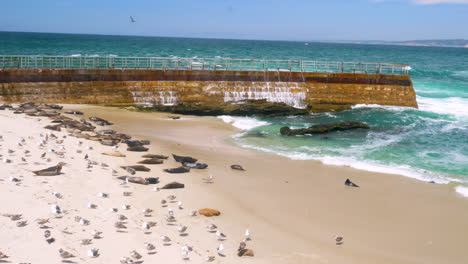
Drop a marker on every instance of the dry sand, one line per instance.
(292, 208)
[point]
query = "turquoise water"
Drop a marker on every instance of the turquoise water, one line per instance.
(430, 143)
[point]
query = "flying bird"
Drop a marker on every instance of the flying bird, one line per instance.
(132, 19)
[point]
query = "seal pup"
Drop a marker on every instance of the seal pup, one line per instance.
(348, 182)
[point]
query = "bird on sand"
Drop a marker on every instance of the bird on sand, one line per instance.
(92, 206)
(96, 234)
(21, 223)
(55, 209)
(65, 254)
(86, 241)
(47, 234)
(220, 248)
(42, 221)
(171, 197)
(193, 213)
(209, 258)
(247, 235)
(94, 252)
(242, 245)
(126, 260)
(182, 229)
(180, 205)
(184, 251)
(3, 255)
(165, 239)
(103, 195)
(147, 211)
(211, 227)
(163, 203)
(338, 240)
(221, 236)
(126, 206)
(120, 225)
(135, 255)
(149, 247)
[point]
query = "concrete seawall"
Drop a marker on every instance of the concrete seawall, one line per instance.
(315, 90)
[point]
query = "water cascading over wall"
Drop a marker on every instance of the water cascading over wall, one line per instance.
(319, 91)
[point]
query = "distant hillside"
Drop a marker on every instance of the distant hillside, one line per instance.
(431, 42)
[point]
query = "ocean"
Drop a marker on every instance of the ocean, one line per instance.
(429, 143)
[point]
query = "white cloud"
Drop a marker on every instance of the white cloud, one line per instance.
(432, 2)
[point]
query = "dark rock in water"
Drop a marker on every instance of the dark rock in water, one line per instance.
(138, 180)
(53, 127)
(137, 148)
(173, 185)
(154, 156)
(184, 159)
(195, 165)
(348, 182)
(51, 171)
(74, 112)
(239, 108)
(54, 106)
(100, 121)
(177, 170)
(136, 167)
(323, 128)
(258, 134)
(237, 167)
(151, 161)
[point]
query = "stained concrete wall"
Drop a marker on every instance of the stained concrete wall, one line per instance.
(319, 91)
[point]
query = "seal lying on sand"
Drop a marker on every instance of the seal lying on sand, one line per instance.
(177, 170)
(51, 171)
(139, 180)
(136, 168)
(151, 161)
(74, 112)
(348, 182)
(154, 156)
(195, 165)
(237, 167)
(184, 159)
(173, 185)
(137, 149)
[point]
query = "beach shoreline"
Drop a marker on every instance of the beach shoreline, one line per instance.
(293, 208)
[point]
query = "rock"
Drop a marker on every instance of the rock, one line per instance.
(195, 165)
(151, 161)
(154, 156)
(184, 159)
(245, 253)
(209, 212)
(239, 108)
(237, 167)
(114, 154)
(51, 171)
(136, 168)
(177, 170)
(137, 148)
(348, 182)
(323, 128)
(173, 185)
(54, 127)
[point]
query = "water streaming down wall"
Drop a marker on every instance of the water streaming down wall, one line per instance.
(288, 93)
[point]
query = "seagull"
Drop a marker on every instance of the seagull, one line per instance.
(163, 202)
(47, 234)
(86, 241)
(247, 235)
(170, 212)
(146, 226)
(242, 245)
(171, 197)
(96, 234)
(156, 189)
(179, 204)
(13, 179)
(120, 225)
(182, 229)
(42, 221)
(126, 206)
(103, 195)
(55, 209)
(84, 222)
(57, 194)
(3, 255)
(126, 260)
(127, 193)
(114, 210)
(220, 248)
(209, 258)
(65, 254)
(209, 179)
(184, 252)
(135, 255)
(147, 211)
(94, 252)
(132, 19)
(92, 206)
(43, 155)
(165, 239)
(149, 247)
(13, 217)
(122, 217)
(221, 236)
(193, 213)
(21, 223)
(339, 240)
(211, 227)
(170, 218)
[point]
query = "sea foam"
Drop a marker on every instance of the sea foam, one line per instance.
(244, 123)
(462, 190)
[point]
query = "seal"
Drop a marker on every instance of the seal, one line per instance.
(136, 168)
(137, 148)
(348, 182)
(151, 161)
(154, 156)
(177, 170)
(195, 165)
(51, 171)
(237, 167)
(184, 159)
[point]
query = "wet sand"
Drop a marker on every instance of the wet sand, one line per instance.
(292, 208)
(295, 208)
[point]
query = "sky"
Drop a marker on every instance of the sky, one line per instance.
(390, 20)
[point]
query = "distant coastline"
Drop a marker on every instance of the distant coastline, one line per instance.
(456, 43)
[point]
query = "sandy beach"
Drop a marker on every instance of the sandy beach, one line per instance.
(293, 209)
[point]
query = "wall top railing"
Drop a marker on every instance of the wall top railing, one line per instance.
(216, 64)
